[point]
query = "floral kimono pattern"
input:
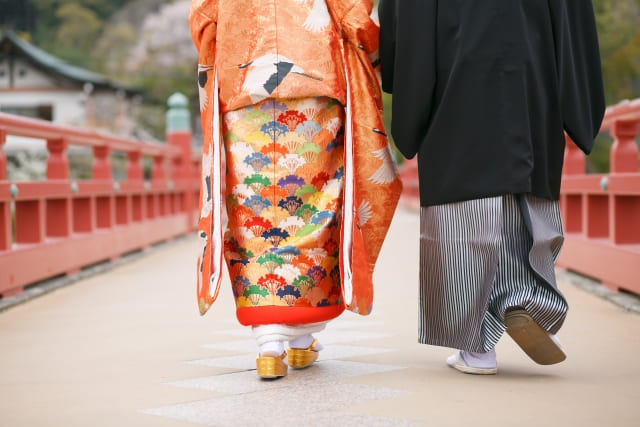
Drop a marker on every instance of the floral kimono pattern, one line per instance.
(284, 198)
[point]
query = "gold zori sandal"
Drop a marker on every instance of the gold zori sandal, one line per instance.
(303, 357)
(270, 367)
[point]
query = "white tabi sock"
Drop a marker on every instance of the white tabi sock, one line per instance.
(480, 360)
(556, 340)
(272, 347)
(304, 342)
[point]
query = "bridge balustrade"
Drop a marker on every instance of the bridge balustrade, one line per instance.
(601, 212)
(59, 225)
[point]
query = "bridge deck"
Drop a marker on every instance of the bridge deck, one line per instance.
(127, 347)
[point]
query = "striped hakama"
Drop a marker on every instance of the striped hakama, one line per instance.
(480, 257)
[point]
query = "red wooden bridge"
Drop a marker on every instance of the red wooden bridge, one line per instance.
(127, 346)
(59, 225)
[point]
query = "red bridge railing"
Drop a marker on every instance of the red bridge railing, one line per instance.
(601, 212)
(58, 225)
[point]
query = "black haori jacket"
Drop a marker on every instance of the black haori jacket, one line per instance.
(483, 91)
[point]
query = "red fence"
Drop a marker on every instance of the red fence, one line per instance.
(601, 212)
(58, 225)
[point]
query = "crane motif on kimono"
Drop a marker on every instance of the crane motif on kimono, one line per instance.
(266, 73)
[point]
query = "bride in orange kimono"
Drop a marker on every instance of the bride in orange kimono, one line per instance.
(290, 102)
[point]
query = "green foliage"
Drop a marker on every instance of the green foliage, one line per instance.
(386, 99)
(598, 160)
(68, 29)
(112, 50)
(77, 33)
(619, 32)
(158, 84)
(102, 8)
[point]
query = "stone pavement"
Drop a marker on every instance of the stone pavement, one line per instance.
(127, 347)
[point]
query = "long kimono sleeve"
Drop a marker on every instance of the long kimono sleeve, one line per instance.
(203, 26)
(371, 183)
(408, 57)
(580, 71)
(357, 25)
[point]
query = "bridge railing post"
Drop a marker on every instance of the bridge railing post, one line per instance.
(3, 157)
(58, 211)
(57, 162)
(135, 176)
(101, 163)
(157, 178)
(5, 206)
(624, 150)
(178, 134)
(624, 209)
(572, 205)
(103, 206)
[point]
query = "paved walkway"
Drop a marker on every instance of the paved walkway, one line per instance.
(128, 348)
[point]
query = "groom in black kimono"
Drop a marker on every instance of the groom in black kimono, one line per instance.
(483, 92)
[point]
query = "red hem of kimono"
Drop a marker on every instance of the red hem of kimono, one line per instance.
(264, 315)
